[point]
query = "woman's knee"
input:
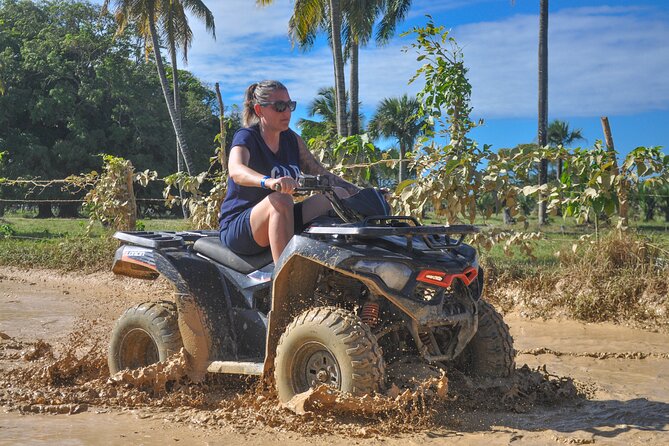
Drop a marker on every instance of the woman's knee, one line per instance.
(281, 203)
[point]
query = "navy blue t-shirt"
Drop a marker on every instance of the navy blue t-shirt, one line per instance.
(286, 162)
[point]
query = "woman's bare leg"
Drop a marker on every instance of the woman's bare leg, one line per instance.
(318, 205)
(272, 222)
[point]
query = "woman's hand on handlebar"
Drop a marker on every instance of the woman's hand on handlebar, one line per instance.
(284, 185)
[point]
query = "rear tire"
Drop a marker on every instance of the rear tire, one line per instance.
(145, 334)
(331, 346)
(490, 352)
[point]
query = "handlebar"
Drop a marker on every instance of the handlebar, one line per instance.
(309, 183)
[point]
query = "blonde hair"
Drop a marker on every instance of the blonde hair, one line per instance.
(256, 93)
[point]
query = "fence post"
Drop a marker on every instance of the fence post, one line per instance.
(621, 180)
(132, 205)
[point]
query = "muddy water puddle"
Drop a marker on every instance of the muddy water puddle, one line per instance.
(27, 312)
(623, 371)
(91, 428)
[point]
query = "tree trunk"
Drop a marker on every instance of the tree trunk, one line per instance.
(649, 208)
(666, 210)
(621, 183)
(402, 172)
(543, 105)
(354, 116)
(506, 216)
(44, 210)
(130, 223)
(176, 96)
(69, 210)
(222, 158)
(177, 109)
(168, 99)
(338, 59)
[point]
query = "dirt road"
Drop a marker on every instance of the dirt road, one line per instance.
(623, 371)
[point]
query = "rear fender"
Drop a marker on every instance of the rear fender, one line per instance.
(202, 300)
(135, 261)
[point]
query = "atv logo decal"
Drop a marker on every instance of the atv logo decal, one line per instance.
(139, 256)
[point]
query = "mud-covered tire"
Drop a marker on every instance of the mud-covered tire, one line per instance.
(490, 352)
(331, 346)
(145, 334)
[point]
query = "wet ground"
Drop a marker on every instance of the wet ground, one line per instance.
(583, 384)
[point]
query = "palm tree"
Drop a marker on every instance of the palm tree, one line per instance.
(543, 103)
(310, 16)
(324, 105)
(396, 118)
(176, 31)
(559, 134)
(146, 15)
(360, 18)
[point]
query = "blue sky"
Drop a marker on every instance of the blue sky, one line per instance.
(606, 58)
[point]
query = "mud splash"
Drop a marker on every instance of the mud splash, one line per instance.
(75, 379)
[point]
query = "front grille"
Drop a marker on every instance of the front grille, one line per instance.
(428, 294)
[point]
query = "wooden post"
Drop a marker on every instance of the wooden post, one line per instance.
(132, 204)
(621, 181)
(221, 157)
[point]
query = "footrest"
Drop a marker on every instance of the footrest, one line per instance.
(236, 367)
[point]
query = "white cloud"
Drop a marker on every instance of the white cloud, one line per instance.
(601, 60)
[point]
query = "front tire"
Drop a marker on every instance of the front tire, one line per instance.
(331, 346)
(490, 352)
(145, 334)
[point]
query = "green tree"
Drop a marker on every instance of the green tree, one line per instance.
(357, 17)
(360, 17)
(177, 33)
(146, 16)
(398, 118)
(309, 17)
(559, 134)
(73, 91)
(324, 106)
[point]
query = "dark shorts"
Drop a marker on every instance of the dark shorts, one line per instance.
(239, 237)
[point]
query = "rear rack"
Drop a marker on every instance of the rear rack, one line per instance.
(403, 226)
(162, 239)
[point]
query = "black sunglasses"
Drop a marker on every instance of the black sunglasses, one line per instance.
(280, 106)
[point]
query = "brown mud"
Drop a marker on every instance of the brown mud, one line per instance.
(574, 384)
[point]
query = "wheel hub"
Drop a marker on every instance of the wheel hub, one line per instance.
(323, 376)
(315, 365)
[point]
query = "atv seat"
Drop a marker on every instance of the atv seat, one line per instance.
(213, 248)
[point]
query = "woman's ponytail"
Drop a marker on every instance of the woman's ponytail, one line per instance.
(249, 116)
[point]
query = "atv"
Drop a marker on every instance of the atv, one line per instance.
(357, 290)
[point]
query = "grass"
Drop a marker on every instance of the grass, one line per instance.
(63, 243)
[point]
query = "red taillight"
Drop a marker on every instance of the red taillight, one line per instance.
(445, 280)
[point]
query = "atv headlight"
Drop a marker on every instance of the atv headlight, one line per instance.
(394, 275)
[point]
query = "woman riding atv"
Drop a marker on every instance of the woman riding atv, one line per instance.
(264, 163)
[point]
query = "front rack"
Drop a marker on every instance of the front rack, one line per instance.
(402, 226)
